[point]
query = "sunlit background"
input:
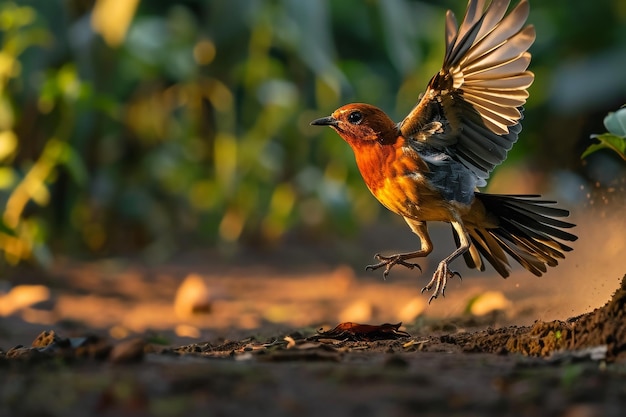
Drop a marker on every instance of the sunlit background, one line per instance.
(144, 145)
(143, 127)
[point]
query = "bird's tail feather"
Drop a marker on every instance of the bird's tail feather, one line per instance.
(528, 229)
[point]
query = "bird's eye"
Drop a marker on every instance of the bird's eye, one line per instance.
(355, 117)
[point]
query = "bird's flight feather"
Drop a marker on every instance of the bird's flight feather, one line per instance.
(479, 93)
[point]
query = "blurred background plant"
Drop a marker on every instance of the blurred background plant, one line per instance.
(147, 127)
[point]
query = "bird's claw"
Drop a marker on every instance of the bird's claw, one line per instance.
(389, 262)
(440, 280)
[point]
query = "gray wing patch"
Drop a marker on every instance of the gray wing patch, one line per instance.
(451, 178)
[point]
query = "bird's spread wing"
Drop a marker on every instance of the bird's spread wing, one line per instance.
(472, 107)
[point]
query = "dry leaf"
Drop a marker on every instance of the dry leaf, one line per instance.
(356, 331)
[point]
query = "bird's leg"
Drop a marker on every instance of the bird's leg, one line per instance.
(443, 272)
(420, 229)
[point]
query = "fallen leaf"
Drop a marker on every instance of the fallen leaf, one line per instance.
(356, 331)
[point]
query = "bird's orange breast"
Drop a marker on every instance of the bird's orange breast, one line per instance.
(394, 175)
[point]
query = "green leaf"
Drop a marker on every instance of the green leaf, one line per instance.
(607, 141)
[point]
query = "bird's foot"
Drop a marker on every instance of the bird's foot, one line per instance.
(440, 280)
(389, 262)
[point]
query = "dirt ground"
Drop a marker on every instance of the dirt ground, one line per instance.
(198, 337)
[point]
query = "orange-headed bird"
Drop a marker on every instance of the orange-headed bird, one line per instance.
(428, 167)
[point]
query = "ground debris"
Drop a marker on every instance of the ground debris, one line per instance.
(605, 326)
(368, 332)
(542, 339)
(323, 346)
(50, 345)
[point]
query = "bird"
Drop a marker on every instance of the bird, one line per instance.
(430, 166)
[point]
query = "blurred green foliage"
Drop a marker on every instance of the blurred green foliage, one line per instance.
(154, 125)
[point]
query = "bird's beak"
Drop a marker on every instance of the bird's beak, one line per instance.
(325, 121)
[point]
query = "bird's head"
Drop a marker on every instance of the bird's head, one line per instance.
(360, 124)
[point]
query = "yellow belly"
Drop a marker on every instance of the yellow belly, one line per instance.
(409, 196)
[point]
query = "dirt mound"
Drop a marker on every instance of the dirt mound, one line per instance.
(542, 339)
(603, 326)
